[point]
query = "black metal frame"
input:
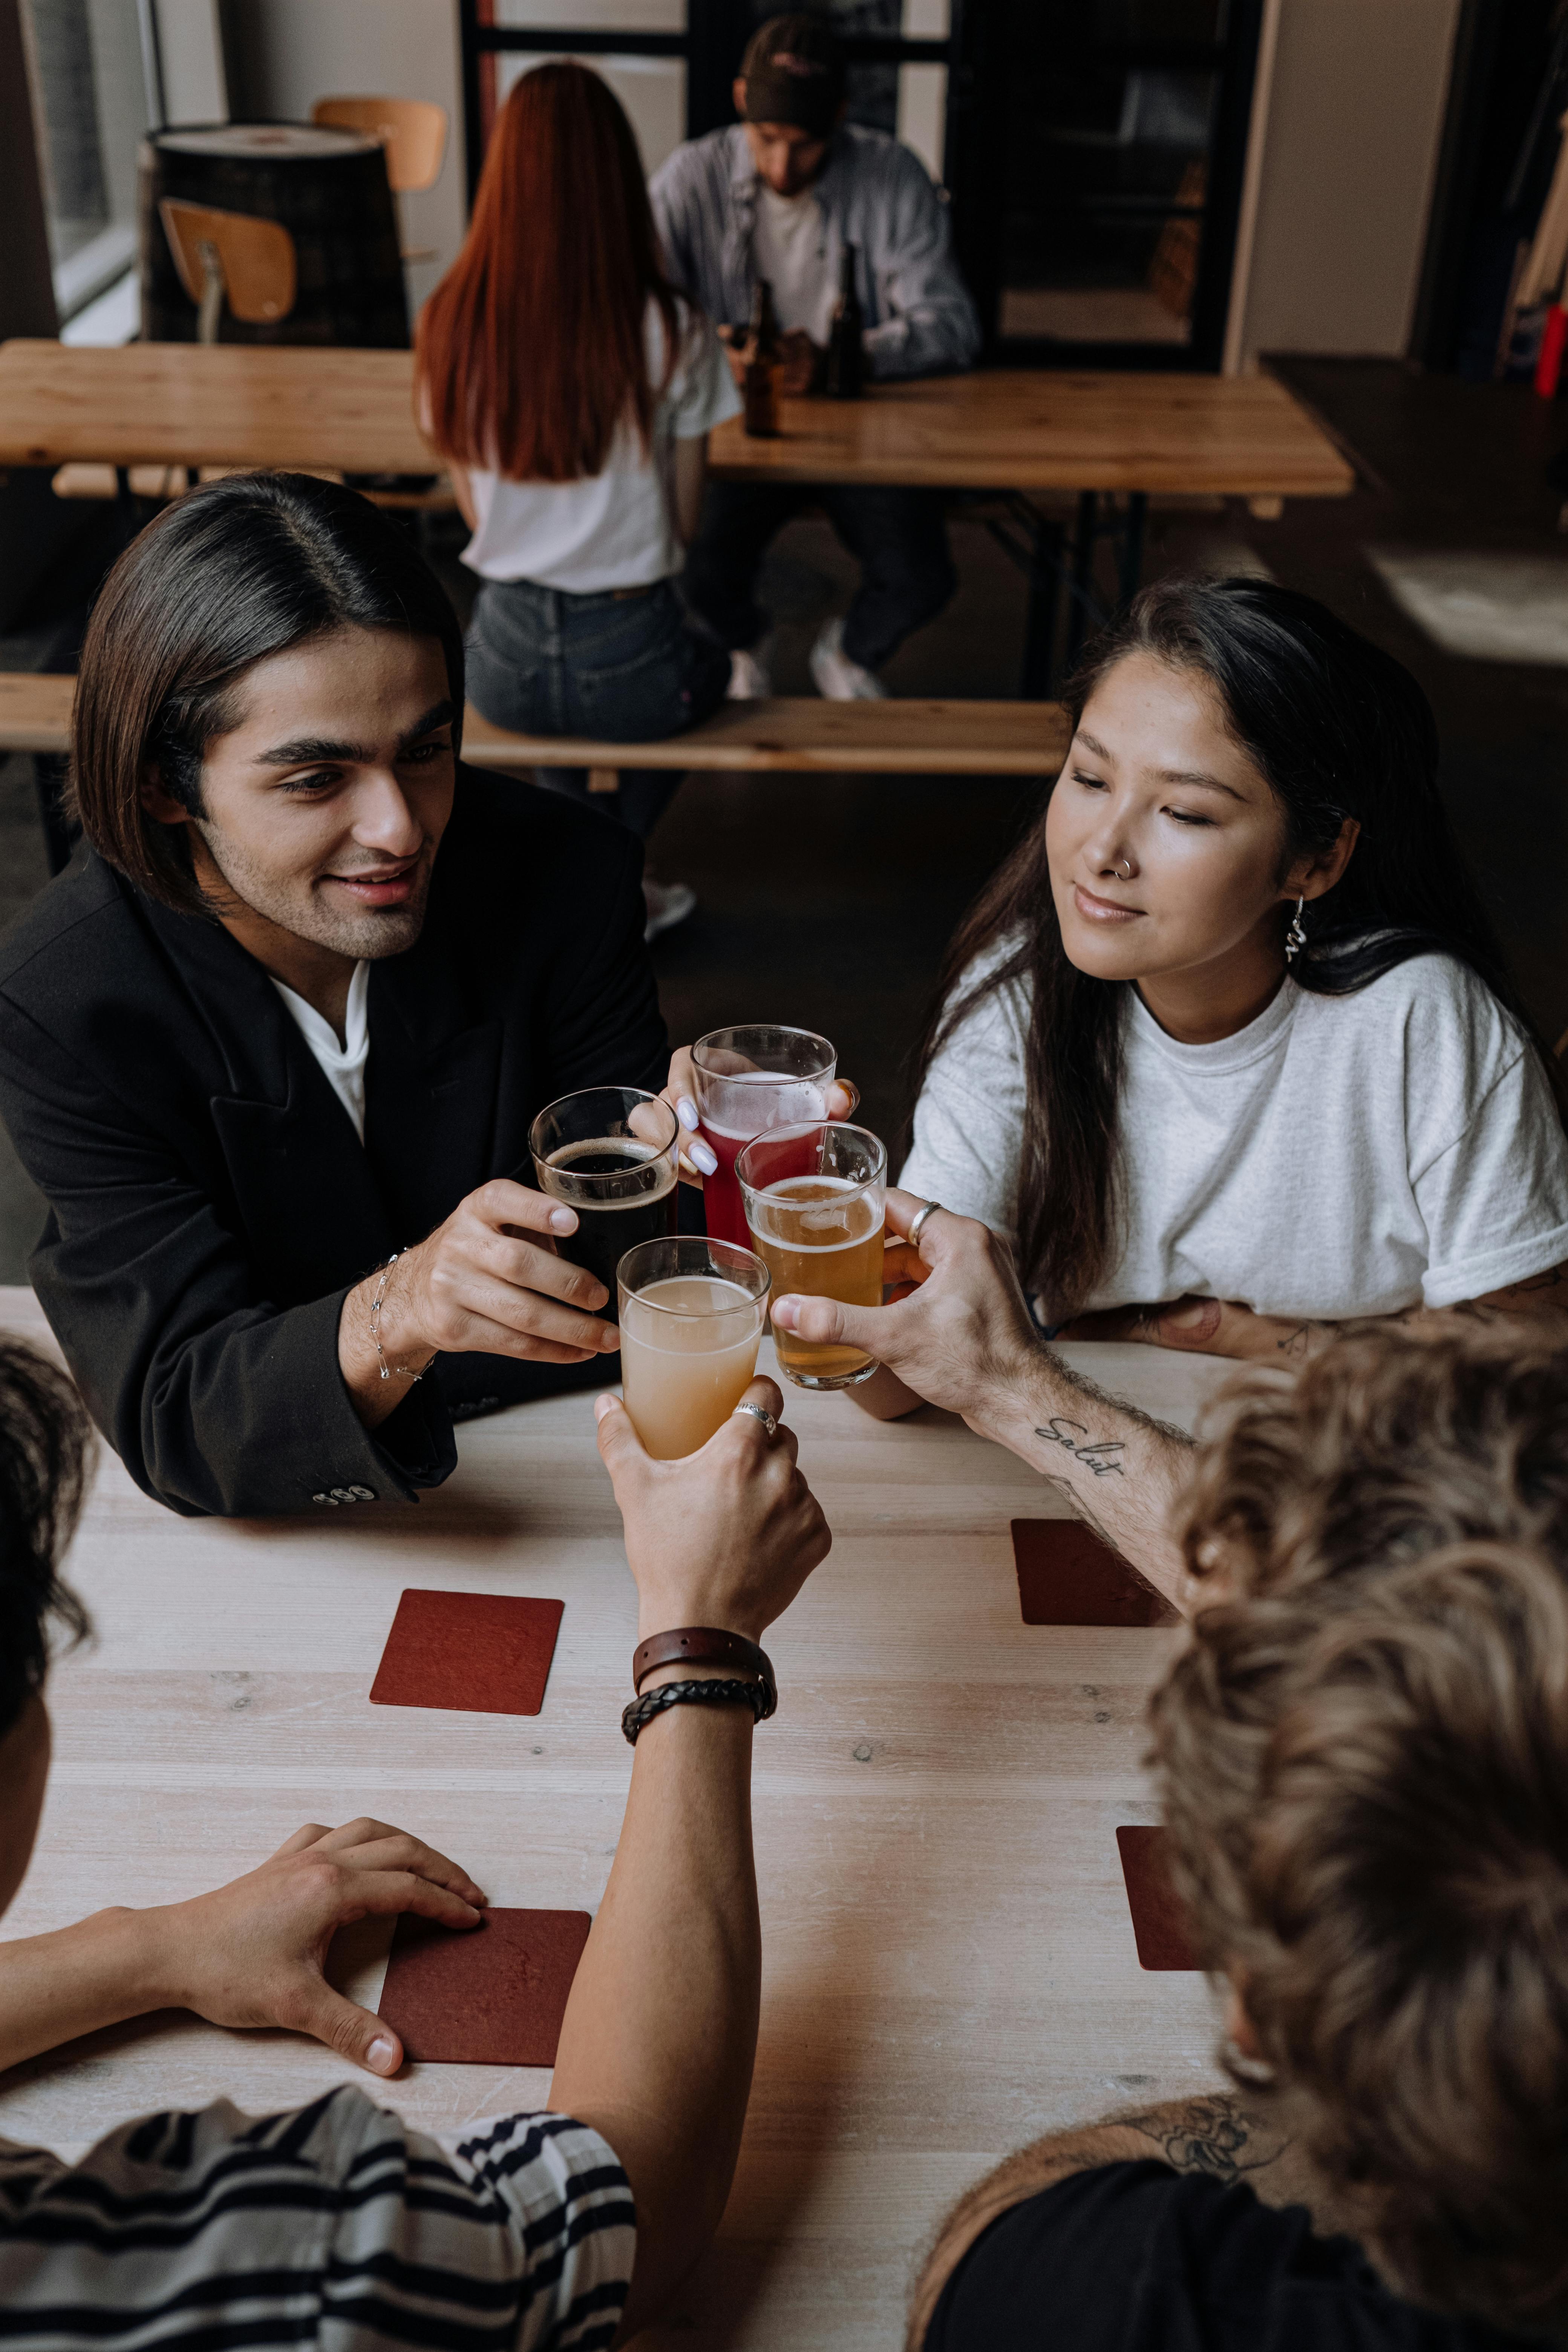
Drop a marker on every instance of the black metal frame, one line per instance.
(715, 38)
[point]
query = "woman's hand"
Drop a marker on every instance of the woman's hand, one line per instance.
(1206, 1327)
(698, 1158)
(725, 1536)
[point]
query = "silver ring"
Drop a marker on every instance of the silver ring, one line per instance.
(920, 1215)
(758, 1412)
(1127, 863)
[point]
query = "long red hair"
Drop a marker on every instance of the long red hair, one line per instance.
(531, 351)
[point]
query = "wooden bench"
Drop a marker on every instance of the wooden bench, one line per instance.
(799, 736)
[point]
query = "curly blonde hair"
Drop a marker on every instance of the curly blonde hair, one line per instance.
(1364, 1757)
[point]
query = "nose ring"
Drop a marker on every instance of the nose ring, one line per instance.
(1127, 863)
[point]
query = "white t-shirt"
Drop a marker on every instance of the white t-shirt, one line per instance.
(789, 247)
(614, 529)
(1340, 1156)
(342, 1065)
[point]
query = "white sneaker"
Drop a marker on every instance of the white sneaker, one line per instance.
(668, 903)
(835, 676)
(750, 679)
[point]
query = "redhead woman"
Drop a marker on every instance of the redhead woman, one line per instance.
(571, 390)
(1228, 1050)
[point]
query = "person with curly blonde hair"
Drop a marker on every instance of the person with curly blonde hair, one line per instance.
(1362, 1756)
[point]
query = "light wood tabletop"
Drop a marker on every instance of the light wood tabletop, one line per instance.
(178, 403)
(949, 1965)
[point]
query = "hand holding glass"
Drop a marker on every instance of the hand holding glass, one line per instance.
(748, 1080)
(692, 1317)
(609, 1154)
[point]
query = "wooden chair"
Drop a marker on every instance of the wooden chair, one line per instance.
(231, 258)
(413, 131)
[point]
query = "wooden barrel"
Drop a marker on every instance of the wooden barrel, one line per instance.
(327, 187)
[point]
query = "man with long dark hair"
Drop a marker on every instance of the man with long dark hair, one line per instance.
(338, 2222)
(271, 1046)
(782, 196)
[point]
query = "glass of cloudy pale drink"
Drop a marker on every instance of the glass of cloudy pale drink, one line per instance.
(610, 1154)
(815, 1204)
(692, 1312)
(749, 1079)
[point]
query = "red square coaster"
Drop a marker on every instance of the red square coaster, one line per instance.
(480, 1653)
(493, 1995)
(1159, 1923)
(1068, 1577)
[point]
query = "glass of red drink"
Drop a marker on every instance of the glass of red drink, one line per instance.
(748, 1080)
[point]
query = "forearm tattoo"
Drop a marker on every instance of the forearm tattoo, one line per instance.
(1101, 1453)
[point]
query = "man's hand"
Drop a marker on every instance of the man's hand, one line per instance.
(965, 1340)
(961, 1338)
(725, 1536)
(488, 1280)
(252, 1953)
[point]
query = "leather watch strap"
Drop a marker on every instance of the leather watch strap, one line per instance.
(701, 1645)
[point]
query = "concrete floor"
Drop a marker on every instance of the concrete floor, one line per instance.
(827, 901)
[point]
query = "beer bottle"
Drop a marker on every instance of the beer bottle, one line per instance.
(761, 389)
(844, 377)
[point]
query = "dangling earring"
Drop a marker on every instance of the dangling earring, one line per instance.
(1295, 938)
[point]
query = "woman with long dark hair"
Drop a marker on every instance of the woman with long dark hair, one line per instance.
(1229, 1035)
(572, 389)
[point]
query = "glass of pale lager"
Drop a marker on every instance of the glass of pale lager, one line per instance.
(814, 1198)
(610, 1154)
(692, 1312)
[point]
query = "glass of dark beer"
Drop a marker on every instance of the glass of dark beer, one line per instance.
(609, 1154)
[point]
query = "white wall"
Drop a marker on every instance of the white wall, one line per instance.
(286, 54)
(1351, 125)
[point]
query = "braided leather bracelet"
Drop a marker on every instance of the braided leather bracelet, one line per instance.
(758, 1696)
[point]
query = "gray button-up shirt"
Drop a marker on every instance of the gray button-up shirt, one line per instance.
(872, 194)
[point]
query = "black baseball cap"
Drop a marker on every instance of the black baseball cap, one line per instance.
(793, 72)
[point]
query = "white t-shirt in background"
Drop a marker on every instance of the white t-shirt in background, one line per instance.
(343, 1064)
(789, 248)
(1340, 1156)
(617, 528)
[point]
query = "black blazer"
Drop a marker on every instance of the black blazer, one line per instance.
(210, 1205)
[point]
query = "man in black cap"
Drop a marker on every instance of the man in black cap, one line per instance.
(779, 195)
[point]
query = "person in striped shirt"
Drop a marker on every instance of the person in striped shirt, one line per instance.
(337, 2223)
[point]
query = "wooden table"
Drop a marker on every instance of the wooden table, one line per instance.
(1111, 438)
(1001, 429)
(948, 1964)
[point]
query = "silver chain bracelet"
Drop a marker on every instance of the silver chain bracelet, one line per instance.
(375, 1306)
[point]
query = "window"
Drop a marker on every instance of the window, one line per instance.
(94, 86)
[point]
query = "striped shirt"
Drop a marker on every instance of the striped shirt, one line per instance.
(334, 2225)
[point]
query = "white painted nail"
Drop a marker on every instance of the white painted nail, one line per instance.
(686, 1111)
(706, 1158)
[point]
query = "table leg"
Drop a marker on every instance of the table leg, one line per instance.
(1129, 562)
(1042, 610)
(1080, 606)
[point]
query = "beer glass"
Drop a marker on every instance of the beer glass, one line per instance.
(692, 1312)
(814, 1198)
(748, 1079)
(610, 1154)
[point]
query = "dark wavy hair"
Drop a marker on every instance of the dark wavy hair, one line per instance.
(46, 1457)
(1337, 729)
(232, 572)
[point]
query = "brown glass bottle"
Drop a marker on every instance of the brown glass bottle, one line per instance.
(844, 375)
(760, 390)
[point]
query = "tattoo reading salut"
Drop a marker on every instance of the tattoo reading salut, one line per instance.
(1099, 1453)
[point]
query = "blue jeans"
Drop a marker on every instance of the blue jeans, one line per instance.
(618, 667)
